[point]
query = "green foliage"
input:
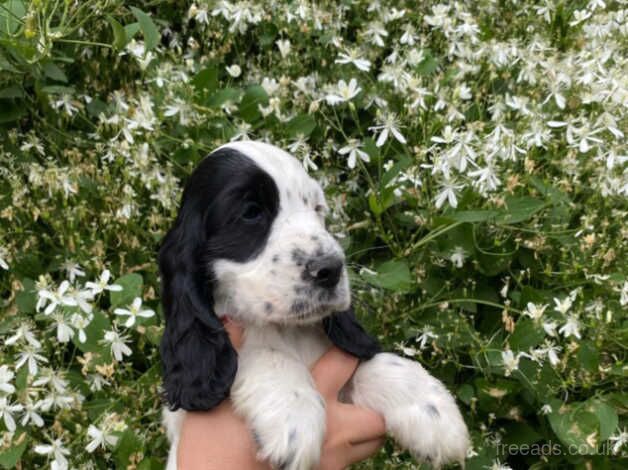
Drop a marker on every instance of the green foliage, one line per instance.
(473, 155)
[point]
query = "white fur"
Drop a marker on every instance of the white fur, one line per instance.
(273, 389)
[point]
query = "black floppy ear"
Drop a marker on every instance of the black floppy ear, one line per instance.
(199, 362)
(344, 331)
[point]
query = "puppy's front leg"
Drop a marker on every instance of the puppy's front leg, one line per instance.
(420, 412)
(275, 394)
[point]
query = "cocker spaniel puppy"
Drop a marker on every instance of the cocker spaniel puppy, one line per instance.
(250, 242)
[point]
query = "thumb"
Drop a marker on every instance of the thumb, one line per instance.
(332, 371)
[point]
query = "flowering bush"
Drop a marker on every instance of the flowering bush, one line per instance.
(473, 155)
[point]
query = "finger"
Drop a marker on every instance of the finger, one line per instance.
(234, 330)
(333, 370)
(363, 424)
(364, 450)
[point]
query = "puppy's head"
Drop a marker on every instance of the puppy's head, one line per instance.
(249, 242)
(268, 251)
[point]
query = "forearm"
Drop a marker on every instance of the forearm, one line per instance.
(217, 440)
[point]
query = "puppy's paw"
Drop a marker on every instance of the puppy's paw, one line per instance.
(291, 435)
(420, 412)
(433, 433)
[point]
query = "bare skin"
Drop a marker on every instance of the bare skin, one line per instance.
(219, 439)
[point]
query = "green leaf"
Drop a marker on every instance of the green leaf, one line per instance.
(11, 455)
(526, 335)
(94, 334)
(131, 288)
(473, 216)
(428, 66)
(392, 275)
(223, 96)
(253, 97)
(466, 393)
(26, 299)
(303, 124)
(128, 443)
(149, 30)
(10, 11)
(10, 112)
(588, 356)
(206, 79)
(519, 209)
(97, 406)
(5, 64)
(119, 34)
(607, 417)
(576, 427)
(11, 92)
(379, 205)
(130, 30)
(52, 70)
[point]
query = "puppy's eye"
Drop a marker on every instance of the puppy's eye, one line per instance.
(252, 212)
(320, 209)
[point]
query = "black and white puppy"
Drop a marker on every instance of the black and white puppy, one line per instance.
(250, 242)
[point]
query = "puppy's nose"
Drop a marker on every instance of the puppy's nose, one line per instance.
(325, 271)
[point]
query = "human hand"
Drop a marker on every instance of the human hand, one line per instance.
(353, 433)
(219, 439)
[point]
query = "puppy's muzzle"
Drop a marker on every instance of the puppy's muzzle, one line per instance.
(324, 271)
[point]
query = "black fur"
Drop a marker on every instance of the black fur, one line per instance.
(226, 212)
(344, 331)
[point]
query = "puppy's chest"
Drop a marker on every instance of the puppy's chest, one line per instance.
(305, 343)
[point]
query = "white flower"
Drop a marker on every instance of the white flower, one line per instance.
(66, 103)
(6, 375)
(100, 438)
(448, 193)
(23, 331)
(73, 269)
(550, 327)
(623, 297)
(511, 362)
(55, 299)
(81, 322)
(31, 414)
(4, 254)
(64, 331)
(82, 298)
(353, 149)
(102, 284)
(388, 124)
(425, 336)
(571, 327)
(458, 256)
(497, 465)
(6, 412)
(546, 409)
(134, 311)
(284, 47)
(52, 377)
(534, 311)
(29, 355)
(552, 353)
(56, 449)
(353, 57)
(344, 92)
(619, 440)
(407, 350)
(234, 70)
(564, 305)
(119, 349)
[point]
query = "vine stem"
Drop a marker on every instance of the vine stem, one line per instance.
(460, 301)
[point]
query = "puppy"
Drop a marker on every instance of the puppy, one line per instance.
(250, 242)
